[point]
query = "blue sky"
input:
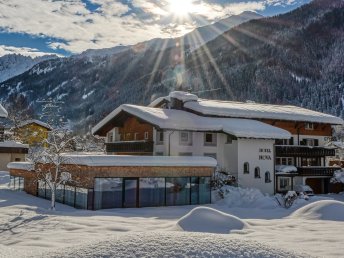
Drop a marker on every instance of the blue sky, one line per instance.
(65, 27)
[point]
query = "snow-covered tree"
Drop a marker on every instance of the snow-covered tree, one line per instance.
(49, 160)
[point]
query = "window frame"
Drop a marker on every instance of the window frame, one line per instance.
(246, 165)
(267, 177)
(158, 136)
(189, 140)
(257, 172)
(213, 141)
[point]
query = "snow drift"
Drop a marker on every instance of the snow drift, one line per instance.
(204, 219)
(245, 198)
(173, 244)
(324, 210)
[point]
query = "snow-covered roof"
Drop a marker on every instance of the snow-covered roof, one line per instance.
(20, 165)
(182, 120)
(260, 111)
(13, 144)
(3, 112)
(119, 161)
(34, 121)
(183, 96)
(336, 144)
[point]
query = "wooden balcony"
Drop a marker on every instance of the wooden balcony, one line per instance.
(130, 147)
(316, 171)
(303, 151)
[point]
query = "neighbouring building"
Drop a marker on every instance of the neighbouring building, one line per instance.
(248, 139)
(33, 132)
(10, 150)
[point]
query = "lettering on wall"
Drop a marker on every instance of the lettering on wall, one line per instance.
(265, 154)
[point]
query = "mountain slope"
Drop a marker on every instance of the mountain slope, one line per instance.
(13, 64)
(295, 58)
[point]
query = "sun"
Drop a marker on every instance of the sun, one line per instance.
(181, 7)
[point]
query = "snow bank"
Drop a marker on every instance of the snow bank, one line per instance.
(245, 198)
(204, 219)
(173, 244)
(324, 210)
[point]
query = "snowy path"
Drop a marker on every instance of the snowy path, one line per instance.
(28, 229)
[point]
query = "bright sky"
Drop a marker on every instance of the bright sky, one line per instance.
(33, 27)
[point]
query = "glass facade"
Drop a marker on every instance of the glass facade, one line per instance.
(111, 193)
(152, 192)
(108, 193)
(16, 183)
(177, 191)
(69, 195)
(80, 198)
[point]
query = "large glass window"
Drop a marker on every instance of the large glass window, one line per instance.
(80, 198)
(41, 188)
(204, 190)
(152, 192)
(194, 190)
(59, 193)
(108, 193)
(177, 191)
(69, 195)
(12, 182)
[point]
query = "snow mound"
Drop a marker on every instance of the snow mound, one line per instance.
(245, 198)
(324, 210)
(172, 244)
(204, 219)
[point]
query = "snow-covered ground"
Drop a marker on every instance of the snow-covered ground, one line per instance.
(255, 226)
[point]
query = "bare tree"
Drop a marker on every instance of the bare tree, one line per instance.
(50, 160)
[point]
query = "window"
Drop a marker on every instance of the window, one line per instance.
(246, 168)
(284, 141)
(210, 139)
(152, 192)
(177, 191)
(146, 135)
(108, 193)
(159, 137)
(159, 153)
(310, 142)
(136, 136)
(309, 126)
(211, 155)
(257, 172)
(185, 138)
(110, 137)
(267, 177)
(230, 139)
(284, 183)
(185, 154)
(284, 161)
(17, 159)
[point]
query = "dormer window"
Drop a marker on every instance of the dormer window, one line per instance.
(309, 126)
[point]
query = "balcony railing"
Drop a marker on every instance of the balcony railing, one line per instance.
(316, 171)
(303, 151)
(130, 147)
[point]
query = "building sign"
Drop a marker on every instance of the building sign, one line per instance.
(265, 154)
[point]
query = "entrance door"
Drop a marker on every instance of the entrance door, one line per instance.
(130, 197)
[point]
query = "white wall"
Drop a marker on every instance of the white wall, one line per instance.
(249, 151)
